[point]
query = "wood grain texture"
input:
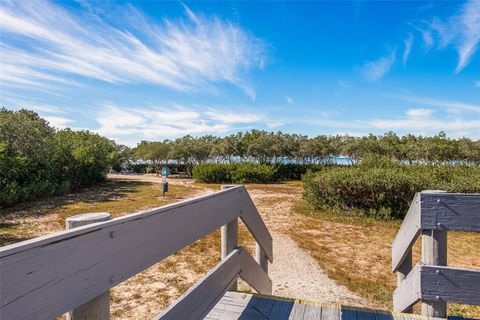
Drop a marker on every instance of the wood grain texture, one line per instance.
(403, 271)
(261, 258)
(434, 253)
(408, 292)
(229, 241)
(99, 307)
(202, 297)
(450, 211)
(38, 275)
(197, 302)
(450, 285)
(407, 234)
(241, 306)
(254, 274)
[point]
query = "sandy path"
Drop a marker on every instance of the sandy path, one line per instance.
(294, 273)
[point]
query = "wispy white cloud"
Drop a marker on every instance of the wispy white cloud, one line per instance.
(43, 45)
(289, 99)
(435, 102)
(375, 70)
(425, 123)
(232, 117)
(419, 113)
(461, 30)
(427, 38)
(130, 125)
(408, 48)
(58, 122)
(477, 84)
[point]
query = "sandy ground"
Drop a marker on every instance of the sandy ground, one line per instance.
(294, 273)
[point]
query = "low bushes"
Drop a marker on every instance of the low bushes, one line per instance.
(384, 188)
(234, 173)
(251, 172)
(254, 173)
(213, 172)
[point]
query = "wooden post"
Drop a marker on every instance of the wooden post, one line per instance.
(261, 258)
(99, 307)
(402, 272)
(434, 253)
(229, 237)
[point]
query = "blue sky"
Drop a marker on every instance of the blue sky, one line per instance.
(154, 70)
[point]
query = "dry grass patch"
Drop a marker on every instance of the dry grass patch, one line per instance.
(356, 252)
(33, 219)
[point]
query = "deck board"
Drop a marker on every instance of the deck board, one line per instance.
(244, 306)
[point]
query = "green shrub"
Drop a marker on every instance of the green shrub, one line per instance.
(253, 173)
(234, 173)
(294, 171)
(382, 188)
(36, 160)
(213, 173)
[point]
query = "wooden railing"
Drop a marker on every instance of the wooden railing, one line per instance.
(432, 214)
(47, 276)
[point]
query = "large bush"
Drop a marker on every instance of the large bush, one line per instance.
(83, 158)
(36, 160)
(384, 188)
(26, 158)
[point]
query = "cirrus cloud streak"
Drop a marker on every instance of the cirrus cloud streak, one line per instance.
(45, 44)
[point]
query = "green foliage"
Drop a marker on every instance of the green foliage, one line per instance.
(234, 173)
(155, 153)
(26, 160)
(214, 172)
(84, 157)
(253, 173)
(383, 188)
(36, 161)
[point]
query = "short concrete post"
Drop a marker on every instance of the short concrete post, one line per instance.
(403, 271)
(229, 237)
(99, 307)
(434, 253)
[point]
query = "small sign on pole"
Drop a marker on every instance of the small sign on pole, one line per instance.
(165, 173)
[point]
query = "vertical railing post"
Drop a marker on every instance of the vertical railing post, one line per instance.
(402, 272)
(99, 307)
(434, 253)
(261, 258)
(229, 237)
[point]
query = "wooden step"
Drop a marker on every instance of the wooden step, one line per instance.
(247, 306)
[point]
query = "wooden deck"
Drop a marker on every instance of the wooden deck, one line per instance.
(245, 306)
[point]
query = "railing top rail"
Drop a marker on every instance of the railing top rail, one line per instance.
(435, 210)
(47, 276)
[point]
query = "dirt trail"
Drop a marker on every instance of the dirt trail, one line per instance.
(294, 272)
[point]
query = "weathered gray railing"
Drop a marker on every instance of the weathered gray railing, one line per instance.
(432, 214)
(47, 276)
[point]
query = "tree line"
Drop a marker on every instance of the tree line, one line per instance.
(38, 160)
(265, 147)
